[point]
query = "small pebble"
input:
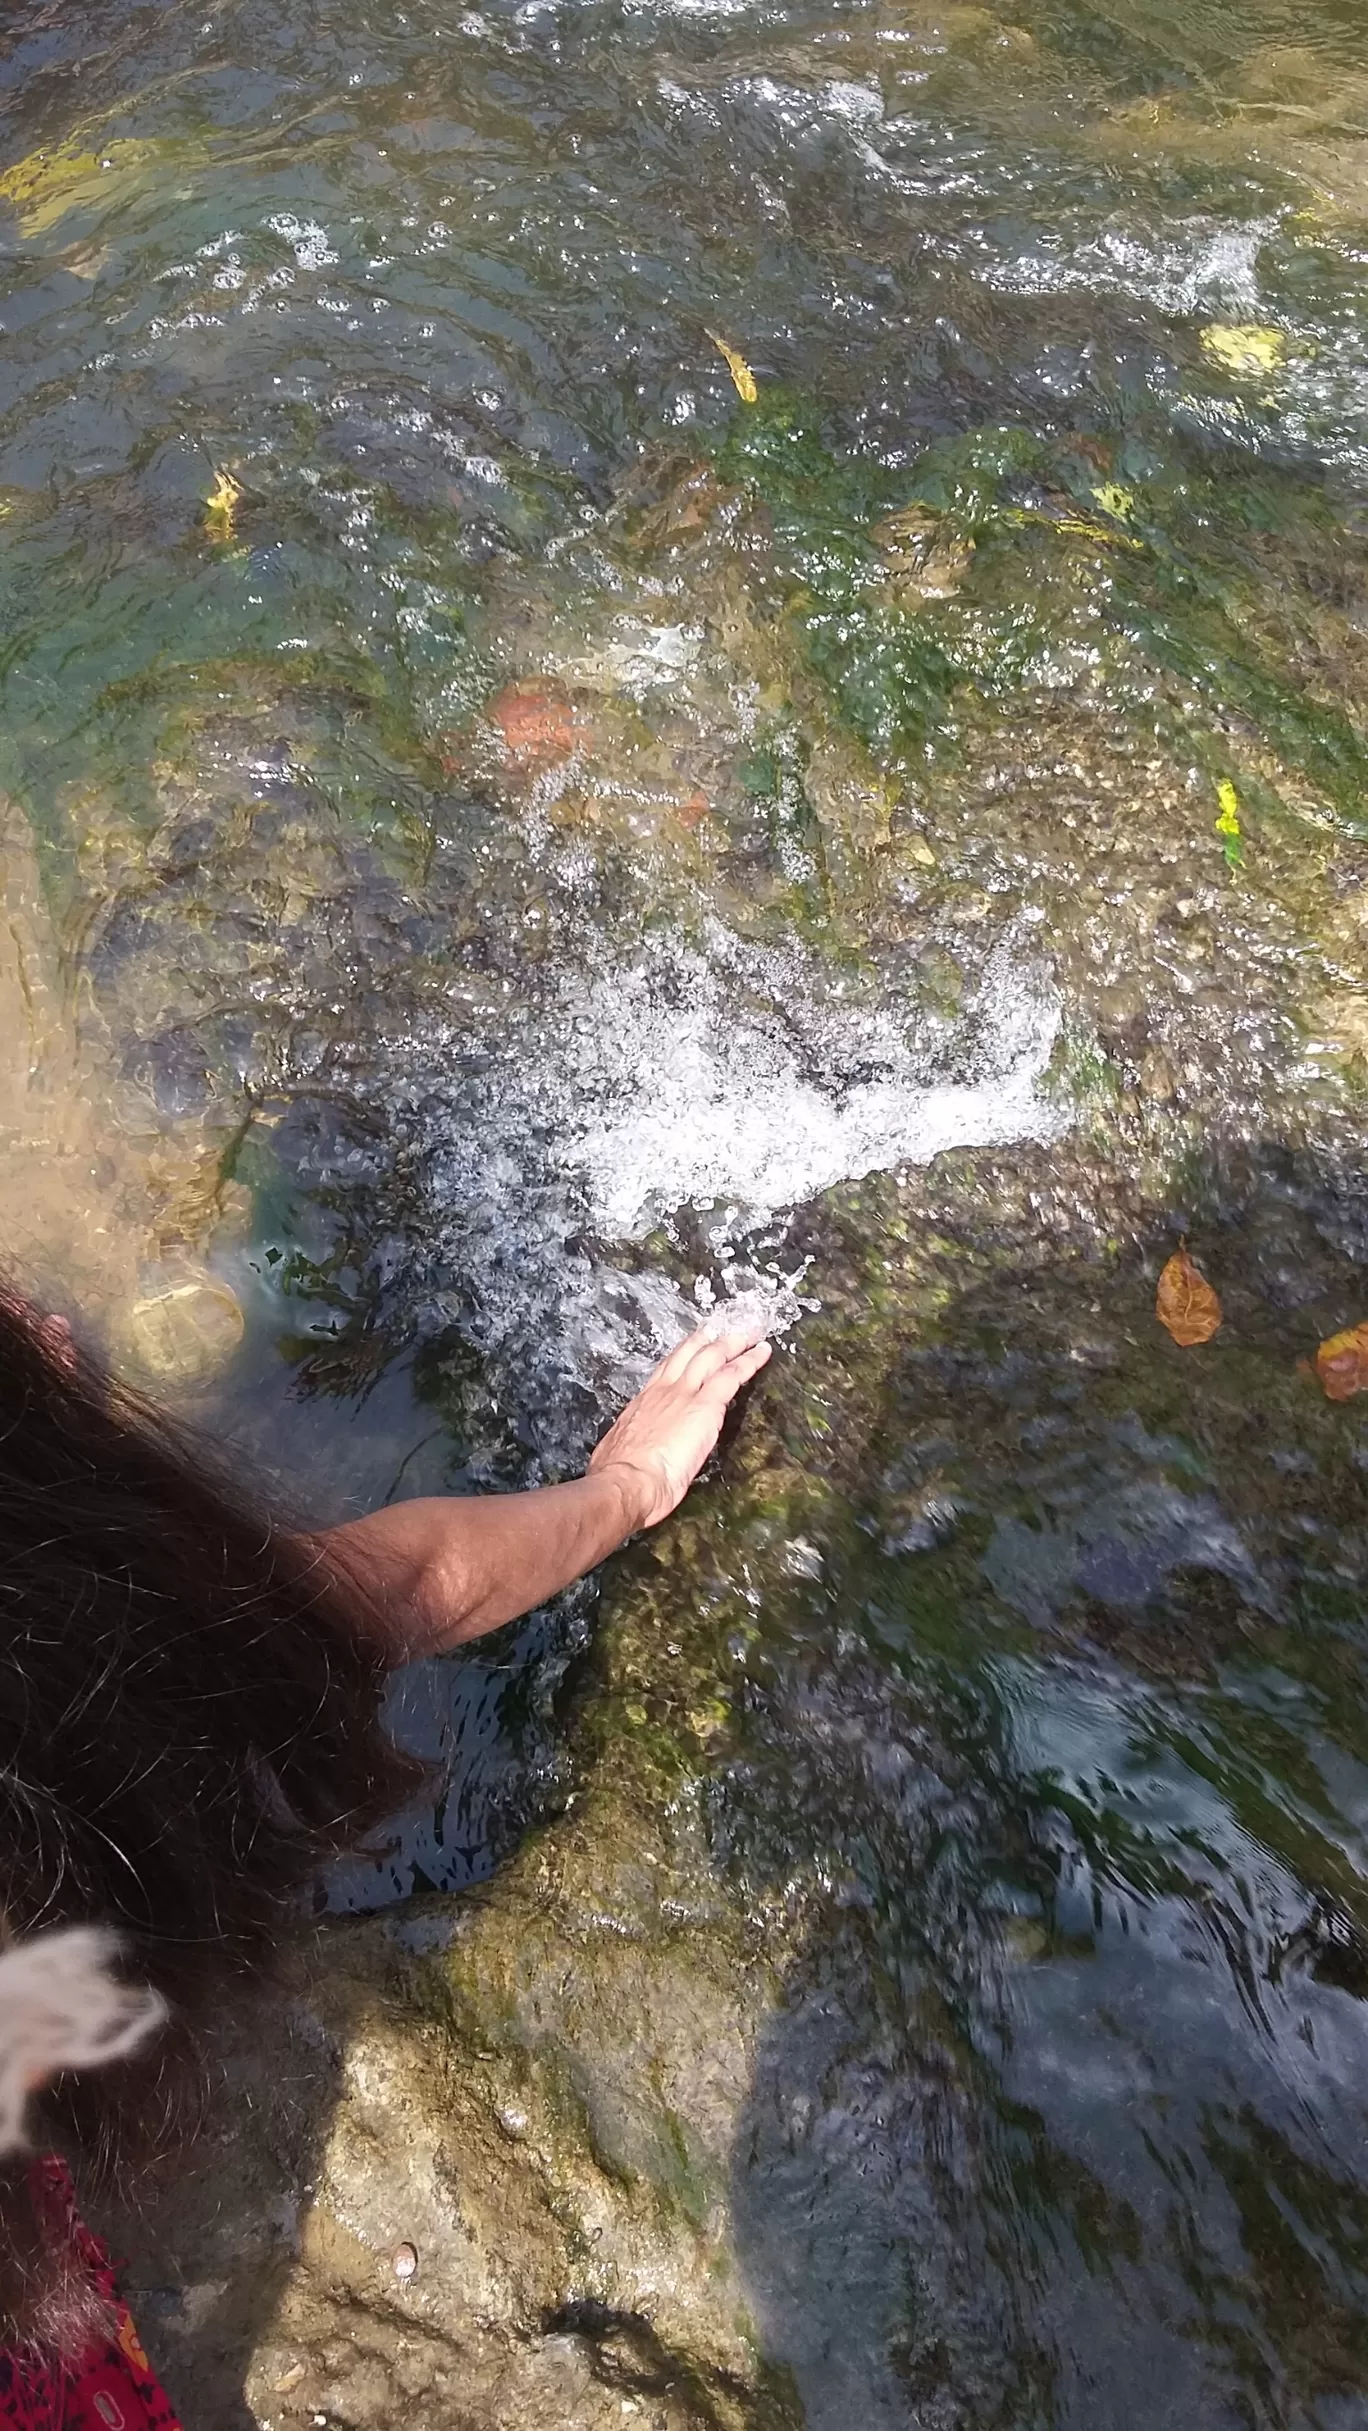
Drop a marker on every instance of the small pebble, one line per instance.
(405, 2261)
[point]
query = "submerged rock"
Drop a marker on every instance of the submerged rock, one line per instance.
(701, 2111)
(539, 2092)
(182, 1329)
(89, 1204)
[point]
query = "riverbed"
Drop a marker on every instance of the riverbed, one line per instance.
(698, 646)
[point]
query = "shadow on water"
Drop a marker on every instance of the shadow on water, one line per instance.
(217, 2238)
(214, 2246)
(218, 2251)
(1061, 2117)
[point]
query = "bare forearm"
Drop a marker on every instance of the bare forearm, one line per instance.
(441, 1571)
(436, 1572)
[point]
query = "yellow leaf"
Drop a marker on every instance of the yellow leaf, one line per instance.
(1078, 527)
(1115, 499)
(1081, 527)
(743, 378)
(1227, 822)
(1244, 347)
(1185, 1303)
(1342, 1363)
(221, 506)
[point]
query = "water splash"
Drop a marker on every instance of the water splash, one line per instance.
(702, 1089)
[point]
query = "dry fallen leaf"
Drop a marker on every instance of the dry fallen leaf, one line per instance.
(535, 721)
(1185, 1302)
(1245, 347)
(743, 378)
(220, 506)
(1342, 1364)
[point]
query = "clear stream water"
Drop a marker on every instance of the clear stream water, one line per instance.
(560, 841)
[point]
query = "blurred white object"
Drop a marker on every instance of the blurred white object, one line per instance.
(63, 2007)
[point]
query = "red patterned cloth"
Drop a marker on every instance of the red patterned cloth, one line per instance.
(114, 2388)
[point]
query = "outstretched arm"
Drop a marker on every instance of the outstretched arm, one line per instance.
(443, 1569)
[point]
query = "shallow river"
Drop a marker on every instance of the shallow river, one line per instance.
(619, 628)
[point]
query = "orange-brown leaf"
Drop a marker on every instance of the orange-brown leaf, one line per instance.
(1186, 1303)
(535, 722)
(1342, 1364)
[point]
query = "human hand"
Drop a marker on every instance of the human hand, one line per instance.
(655, 1450)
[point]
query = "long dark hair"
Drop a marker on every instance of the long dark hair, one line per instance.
(189, 1723)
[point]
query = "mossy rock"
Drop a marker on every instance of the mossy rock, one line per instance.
(540, 2090)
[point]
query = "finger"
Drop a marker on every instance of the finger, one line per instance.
(759, 1352)
(672, 1366)
(708, 1357)
(728, 1380)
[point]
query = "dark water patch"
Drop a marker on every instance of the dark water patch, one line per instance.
(1062, 1723)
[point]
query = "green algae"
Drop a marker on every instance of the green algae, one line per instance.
(1166, 584)
(70, 177)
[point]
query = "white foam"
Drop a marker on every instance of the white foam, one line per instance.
(698, 1106)
(306, 239)
(715, 1074)
(1199, 265)
(638, 658)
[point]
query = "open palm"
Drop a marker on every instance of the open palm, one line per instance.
(663, 1437)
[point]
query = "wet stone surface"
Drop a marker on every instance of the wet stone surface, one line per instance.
(508, 839)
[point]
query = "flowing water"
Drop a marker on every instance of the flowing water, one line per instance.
(518, 828)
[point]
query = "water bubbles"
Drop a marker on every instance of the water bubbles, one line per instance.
(771, 1307)
(718, 1076)
(306, 239)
